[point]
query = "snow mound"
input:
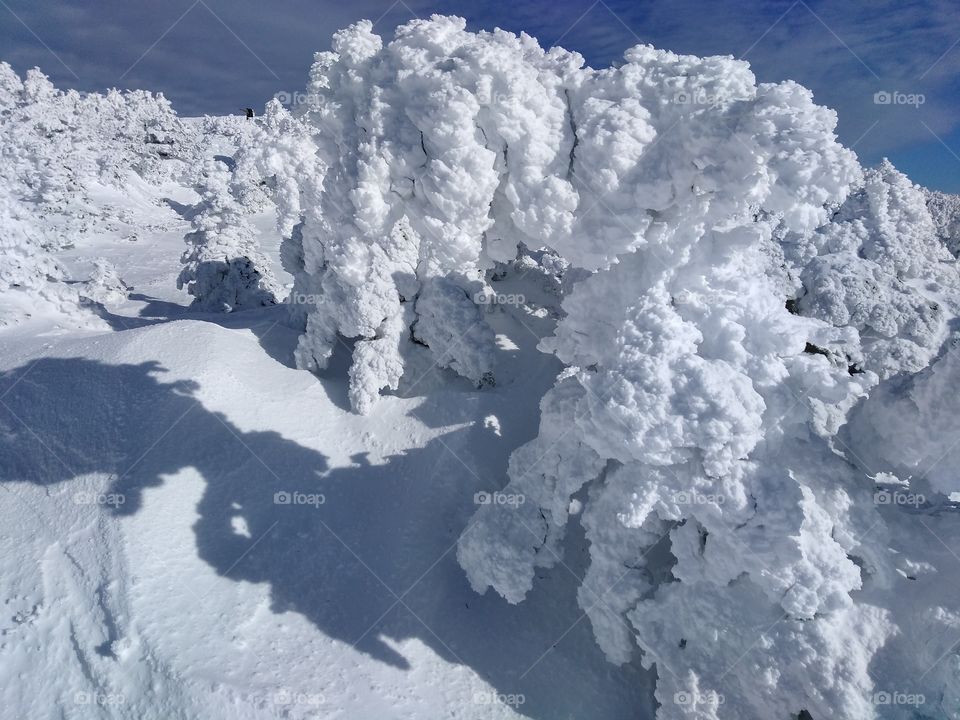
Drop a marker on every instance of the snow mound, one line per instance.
(879, 267)
(31, 279)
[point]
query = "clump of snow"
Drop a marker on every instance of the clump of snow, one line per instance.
(449, 319)
(31, 279)
(945, 212)
(880, 268)
(492, 423)
(105, 284)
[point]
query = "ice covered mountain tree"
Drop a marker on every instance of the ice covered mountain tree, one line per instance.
(31, 279)
(57, 147)
(945, 211)
(720, 246)
(277, 157)
(58, 144)
(879, 266)
(223, 269)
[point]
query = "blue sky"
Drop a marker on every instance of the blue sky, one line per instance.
(216, 56)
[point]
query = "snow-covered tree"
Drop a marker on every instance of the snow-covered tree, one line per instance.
(11, 88)
(396, 240)
(879, 267)
(57, 146)
(714, 229)
(223, 268)
(277, 157)
(693, 411)
(945, 212)
(31, 280)
(86, 136)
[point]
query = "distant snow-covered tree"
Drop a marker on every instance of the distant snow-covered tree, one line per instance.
(223, 268)
(59, 145)
(279, 157)
(945, 211)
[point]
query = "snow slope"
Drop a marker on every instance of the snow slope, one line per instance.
(149, 573)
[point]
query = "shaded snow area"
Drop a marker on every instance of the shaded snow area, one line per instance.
(482, 384)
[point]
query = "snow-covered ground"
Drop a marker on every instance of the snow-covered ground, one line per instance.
(198, 530)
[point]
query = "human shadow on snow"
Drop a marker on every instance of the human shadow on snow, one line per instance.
(374, 562)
